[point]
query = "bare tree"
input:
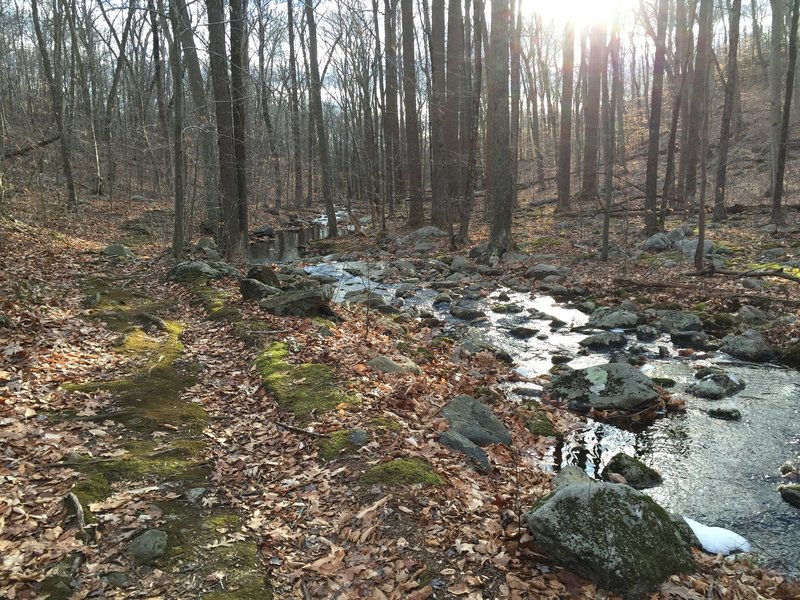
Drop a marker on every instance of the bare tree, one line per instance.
(440, 202)
(565, 135)
(659, 62)
(416, 214)
(591, 121)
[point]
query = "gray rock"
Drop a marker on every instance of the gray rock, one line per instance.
(148, 546)
(613, 385)
(387, 365)
(689, 339)
(265, 275)
(117, 579)
(296, 303)
(646, 333)
(604, 341)
(462, 263)
(194, 269)
(522, 333)
(611, 534)
(512, 257)
(752, 283)
(193, 495)
(264, 231)
(636, 473)
(509, 308)
(658, 242)
(542, 270)
(669, 264)
(118, 251)
(752, 315)
(466, 312)
(725, 413)
(608, 317)
(406, 290)
(358, 437)
(458, 442)
(570, 474)
(748, 346)
(676, 320)
(689, 247)
(475, 421)
(422, 233)
(253, 289)
(224, 268)
(790, 494)
(365, 298)
(206, 243)
(714, 384)
(423, 246)
(442, 298)
(679, 233)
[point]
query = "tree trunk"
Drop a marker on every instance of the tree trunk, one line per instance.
(178, 233)
(239, 68)
(775, 84)
(294, 108)
(440, 200)
(416, 214)
(316, 109)
(592, 109)
(391, 132)
(720, 214)
(516, 43)
(565, 134)
(651, 181)
(266, 99)
(609, 114)
(453, 104)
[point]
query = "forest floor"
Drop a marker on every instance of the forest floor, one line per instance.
(129, 390)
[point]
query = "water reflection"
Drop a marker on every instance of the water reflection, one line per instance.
(286, 246)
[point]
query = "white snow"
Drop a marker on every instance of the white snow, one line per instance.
(718, 540)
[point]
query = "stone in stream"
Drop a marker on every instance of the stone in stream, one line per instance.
(604, 341)
(725, 414)
(365, 298)
(619, 386)
(637, 474)
(748, 346)
(611, 534)
(463, 311)
(522, 333)
(646, 333)
(714, 383)
(148, 546)
(677, 320)
(609, 317)
(689, 339)
(790, 494)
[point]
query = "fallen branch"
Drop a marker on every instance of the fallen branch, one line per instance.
(686, 286)
(14, 152)
(300, 430)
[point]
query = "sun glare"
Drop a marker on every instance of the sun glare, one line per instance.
(583, 12)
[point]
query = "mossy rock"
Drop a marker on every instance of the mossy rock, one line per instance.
(402, 471)
(301, 389)
(540, 424)
(337, 443)
(791, 356)
(385, 423)
(215, 302)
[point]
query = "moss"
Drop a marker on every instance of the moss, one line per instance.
(775, 267)
(385, 423)
(303, 389)
(791, 355)
(336, 443)
(402, 471)
(161, 349)
(215, 301)
(699, 307)
(92, 488)
(723, 319)
(540, 424)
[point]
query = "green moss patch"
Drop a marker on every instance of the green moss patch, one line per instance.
(385, 423)
(402, 471)
(214, 301)
(302, 389)
(791, 355)
(540, 424)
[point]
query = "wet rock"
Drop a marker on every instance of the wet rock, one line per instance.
(790, 494)
(604, 341)
(752, 315)
(560, 359)
(725, 413)
(265, 230)
(406, 290)
(658, 242)
(676, 320)
(265, 275)
(570, 474)
(193, 269)
(442, 298)
(253, 289)
(296, 303)
(713, 383)
(118, 251)
(542, 270)
(646, 333)
(193, 495)
(522, 333)
(748, 346)
(462, 264)
(609, 386)
(466, 312)
(148, 546)
(689, 339)
(637, 474)
(612, 535)
(608, 317)
(475, 421)
(458, 442)
(507, 308)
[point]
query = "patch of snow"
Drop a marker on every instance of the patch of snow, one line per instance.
(718, 540)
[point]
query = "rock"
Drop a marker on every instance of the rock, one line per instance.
(676, 320)
(117, 579)
(387, 365)
(265, 275)
(442, 298)
(194, 269)
(423, 246)
(509, 308)
(365, 298)
(461, 263)
(752, 315)
(466, 312)
(296, 303)
(570, 474)
(513, 257)
(612, 535)
(689, 247)
(148, 546)
(205, 243)
(646, 333)
(478, 251)
(748, 346)
(458, 442)
(475, 421)
(358, 437)
(752, 283)
(405, 290)
(790, 493)
(224, 268)
(607, 317)
(724, 413)
(636, 473)
(613, 385)
(714, 384)
(253, 289)
(193, 495)
(542, 270)
(522, 333)
(604, 341)
(422, 233)
(264, 231)
(658, 242)
(118, 251)
(689, 339)
(679, 233)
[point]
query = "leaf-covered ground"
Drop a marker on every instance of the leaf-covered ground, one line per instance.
(290, 508)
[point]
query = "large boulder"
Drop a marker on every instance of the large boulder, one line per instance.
(422, 233)
(689, 247)
(604, 341)
(714, 384)
(613, 535)
(748, 346)
(618, 386)
(252, 289)
(658, 242)
(609, 317)
(192, 270)
(677, 320)
(296, 303)
(475, 421)
(265, 275)
(119, 251)
(543, 270)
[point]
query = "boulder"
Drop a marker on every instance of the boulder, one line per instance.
(475, 421)
(609, 386)
(365, 298)
(458, 442)
(689, 247)
(264, 231)
(406, 290)
(422, 233)
(637, 474)
(689, 339)
(252, 289)
(543, 270)
(462, 263)
(646, 333)
(387, 365)
(725, 414)
(604, 341)
(296, 303)
(714, 384)
(148, 546)
(748, 346)
(265, 275)
(790, 493)
(611, 534)
(193, 269)
(752, 315)
(118, 251)
(466, 312)
(752, 283)
(608, 317)
(658, 242)
(205, 243)
(679, 233)
(676, 320)
(522, 333)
